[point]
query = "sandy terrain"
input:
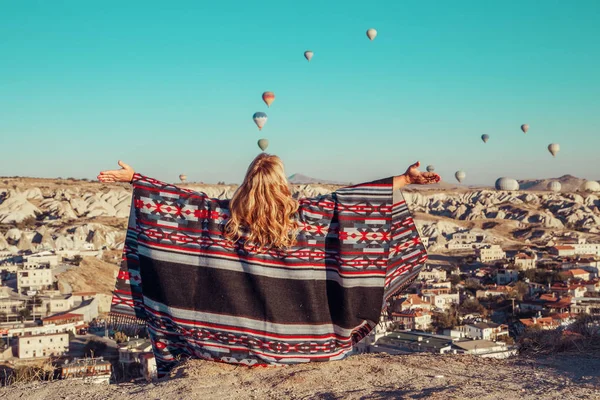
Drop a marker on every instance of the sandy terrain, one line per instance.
(421, 376)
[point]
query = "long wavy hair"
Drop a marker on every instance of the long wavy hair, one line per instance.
(262, 208)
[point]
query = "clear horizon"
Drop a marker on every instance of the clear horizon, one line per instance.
(172, 88)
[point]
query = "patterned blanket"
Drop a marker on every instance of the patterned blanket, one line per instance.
(201, 296)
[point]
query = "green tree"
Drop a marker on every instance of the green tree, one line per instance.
(471, 306)
(472, 284)
(454, 279)
(94, 348)
(120, 337)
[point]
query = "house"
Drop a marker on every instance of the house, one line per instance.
(578, 273)
(506, 276)
(561, 305)
(546, 323)
(131, 351)
(433, 274)
(486, 331)
(592, 286)
(490, 253)
(493, 291)
(442, 301)
(95, 370)
(562, 251)
(586, 305)
(409, 302)
(66, 318)
(34, 278)
(413, 319)
(467, 237)
(49, 258)
(50, 344)
(568, 289)
(524, 261)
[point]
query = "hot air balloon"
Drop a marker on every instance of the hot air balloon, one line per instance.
(524, 128)
(260, 119)
(308, 55)
(591, 186)
(371, 33)
(263, 144)
(485, 138)
(460, 175)
(182, 177)
(506, 184)
(430, 168)
(554, 186)
(553, 148)
(268, 98)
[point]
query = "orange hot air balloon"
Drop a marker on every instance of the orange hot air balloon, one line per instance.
(268, 98)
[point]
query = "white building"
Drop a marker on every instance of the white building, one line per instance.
(491, 253)
(525, 261)
(433, 274)
(467, 237)
(34, 278)
(442, 301)
(52, 344)
(42, 258)
(486, 331)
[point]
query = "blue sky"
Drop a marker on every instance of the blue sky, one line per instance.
(172, 88)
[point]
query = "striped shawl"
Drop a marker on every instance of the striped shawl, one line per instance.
(202, 296)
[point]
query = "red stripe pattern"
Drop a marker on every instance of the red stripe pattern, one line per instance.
(360, 239)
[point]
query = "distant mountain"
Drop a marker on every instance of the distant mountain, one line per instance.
(569, 183)
(299, 179)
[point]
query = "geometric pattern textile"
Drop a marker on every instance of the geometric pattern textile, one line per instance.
(202, 296)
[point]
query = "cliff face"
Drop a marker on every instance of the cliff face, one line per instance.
(371, 376)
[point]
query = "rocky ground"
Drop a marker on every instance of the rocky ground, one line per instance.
(374, 376)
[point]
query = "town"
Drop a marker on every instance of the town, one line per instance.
(478, 302)
(40, 325)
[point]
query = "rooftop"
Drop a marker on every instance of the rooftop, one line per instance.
(475, 344)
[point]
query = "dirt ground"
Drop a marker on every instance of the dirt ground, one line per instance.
(371, 376)
(92, 275)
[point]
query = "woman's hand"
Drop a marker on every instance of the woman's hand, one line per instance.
(125, 174)
(413, 176)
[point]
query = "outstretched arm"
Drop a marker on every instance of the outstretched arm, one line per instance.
(125, 174)
(414, 176)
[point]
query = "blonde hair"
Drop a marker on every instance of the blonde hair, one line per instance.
(262, 208)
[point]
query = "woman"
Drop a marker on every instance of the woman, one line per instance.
(263, 279)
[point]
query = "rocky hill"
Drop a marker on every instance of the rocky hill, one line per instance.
(569, 183)
(37, 213)
(374, 376)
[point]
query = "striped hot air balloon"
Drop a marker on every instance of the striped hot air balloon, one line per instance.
(508, 184)
(268, 98)
(554, 186)
(260, 119)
